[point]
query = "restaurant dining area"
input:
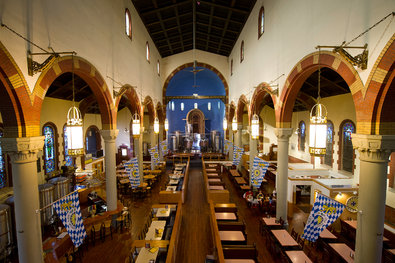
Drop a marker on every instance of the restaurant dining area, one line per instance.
(197, 131)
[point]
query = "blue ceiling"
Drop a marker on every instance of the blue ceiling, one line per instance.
(208, 82)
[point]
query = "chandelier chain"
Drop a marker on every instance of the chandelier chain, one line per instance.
(319, 75)
(367, 30)
(72, 77)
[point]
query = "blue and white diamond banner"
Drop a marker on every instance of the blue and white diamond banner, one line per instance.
(134, 172)
(68, 210)
(227, 145)
(325, 211)
(163, 147)
(258, 171)
(237, 153)
(154, 155)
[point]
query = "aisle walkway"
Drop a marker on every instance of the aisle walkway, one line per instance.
(195, 233)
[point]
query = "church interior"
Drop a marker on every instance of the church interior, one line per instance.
(197, 131)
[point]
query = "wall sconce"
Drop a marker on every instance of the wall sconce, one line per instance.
(166, 124)
(156, 125)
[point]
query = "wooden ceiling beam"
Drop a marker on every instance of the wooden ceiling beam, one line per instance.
(159, 9)
(171, 28)
(335, 84)
(220, 18)
(231, 8)
(209, 25)
(162, 25)
(226, 26)
(179, 26)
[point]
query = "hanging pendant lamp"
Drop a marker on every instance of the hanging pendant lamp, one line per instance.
(255, 127)
(156, 125)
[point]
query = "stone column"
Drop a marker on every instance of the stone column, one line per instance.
(161, 129)
(109, 137)
(154, 142)
(253, 153)
(283, 135)
(374, 151)
(239, 135)
(138, 144)
(231, 139)
(23, 152)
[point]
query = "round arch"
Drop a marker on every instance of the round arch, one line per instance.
(160, 113)
(19, 117)
(262, 93)
(303, 69)
(127, 91)
(196, 118)
(374, 115)
(149, 104)
(231, 110)
(89, 74)
(240, 108)
(199, 64)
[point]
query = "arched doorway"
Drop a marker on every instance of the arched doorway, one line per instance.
(196, 119)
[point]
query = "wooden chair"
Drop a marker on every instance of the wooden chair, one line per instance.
(294, 234)
(107, 226)
(97, 232)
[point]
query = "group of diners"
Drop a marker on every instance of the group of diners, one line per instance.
(154, 241)
(230, 235)
(176, 178)
(150, 177)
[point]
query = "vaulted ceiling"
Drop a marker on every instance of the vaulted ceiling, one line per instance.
(170, 24)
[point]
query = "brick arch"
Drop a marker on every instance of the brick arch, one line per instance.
(149, 104)
(231, 110)
(302, 70)
(90, 75)
(243, 101)
(127, 91)
(375, 110)
(199, 64)
(19, 117)
(259, 95)
(160, 112)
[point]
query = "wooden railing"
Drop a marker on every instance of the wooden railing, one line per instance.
(173, 197)
(175, 236)
(218, 251)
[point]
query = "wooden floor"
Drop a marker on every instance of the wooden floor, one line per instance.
(195, 234)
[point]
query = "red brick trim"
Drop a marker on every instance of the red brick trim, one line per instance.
(243, 101)
(149, 104)
(259, 95)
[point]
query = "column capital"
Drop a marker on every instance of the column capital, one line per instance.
(109, 135)
(22, 149)
(239, 126)
(283, 133)
(373, 148)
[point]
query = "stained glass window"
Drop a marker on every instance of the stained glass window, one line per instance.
(68, 159)
(2, 166)
(49, 149)
(347, 151)
(329, 144)
(302, 135)
(242, 51)
(128, 23)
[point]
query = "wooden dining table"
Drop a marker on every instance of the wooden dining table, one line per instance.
(214, 180)
(298, 256)
(232, 237)
(343, 251)
(284, 239)
(234, 173)
(216, 187)
(240, 180)
(269, 223)
(226, 216)
(326, 234)
(353, 227)
(156, 230)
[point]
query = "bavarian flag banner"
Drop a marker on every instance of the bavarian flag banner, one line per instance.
(163, 147)
(134, 172)
(258, 171)
(227, 146)
(154, 154)
(68, 209)
(325, 211)
(237, 153)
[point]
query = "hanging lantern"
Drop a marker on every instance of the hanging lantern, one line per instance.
(234, 124)
(318, 126)
(166, 124)
(255, 127)
(136, 125)
(75, 142)
(225, 124)
(156, 125)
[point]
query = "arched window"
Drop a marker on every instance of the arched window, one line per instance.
(329, 144)
(302, 136)
(128, 23)
(158, 67)
(242, 51)
(261, 22)
(67, 159)
(231, 67)
(50, 158)
(92, 140)
(3, 176)
(147, 53)
(347, 152)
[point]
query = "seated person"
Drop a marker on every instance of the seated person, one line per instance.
(260, 195)
(249, 196)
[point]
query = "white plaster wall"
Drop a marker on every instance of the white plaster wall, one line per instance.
(294, 28)
(123, 121)
(95, 29)
(269, 136)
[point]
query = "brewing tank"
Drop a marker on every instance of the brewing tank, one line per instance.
(46, 193)
(5, 231)
(62, 186)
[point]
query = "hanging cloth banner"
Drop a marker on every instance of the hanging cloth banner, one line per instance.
(237, 153)
(134, 173)
(227, 146)
(163, 147)
(325, 211)
(154, 155)
(258, 171)
(68, 209)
